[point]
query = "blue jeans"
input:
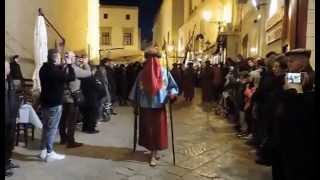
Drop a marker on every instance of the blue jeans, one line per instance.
(51, 119)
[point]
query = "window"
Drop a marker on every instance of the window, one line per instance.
(105, 16)
(127, 37)
(105, 38)
(128, 17)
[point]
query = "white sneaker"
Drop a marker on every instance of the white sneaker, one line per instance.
(43, 154)
(54, 156)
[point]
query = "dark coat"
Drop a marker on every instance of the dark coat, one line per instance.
(93, 91)
(206, 83)
(15, 71)
(11, 103)
(112, 82)
(297, 135)
(53, 79)
(189, 77)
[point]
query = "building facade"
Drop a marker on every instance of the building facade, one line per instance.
(119, 31)
(248, 27)
(76, 20)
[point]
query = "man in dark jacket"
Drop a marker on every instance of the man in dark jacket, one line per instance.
(11, 112)
(93, 90)
(52, 78)
(122, 84)
(206, 79)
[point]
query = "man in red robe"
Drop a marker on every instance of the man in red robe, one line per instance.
(153, 88)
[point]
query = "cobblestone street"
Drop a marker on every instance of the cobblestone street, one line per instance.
(206, 148)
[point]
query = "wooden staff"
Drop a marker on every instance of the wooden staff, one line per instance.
(170, 107)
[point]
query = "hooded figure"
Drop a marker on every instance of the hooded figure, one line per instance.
(152, 88)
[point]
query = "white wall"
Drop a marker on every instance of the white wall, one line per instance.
(20, 18)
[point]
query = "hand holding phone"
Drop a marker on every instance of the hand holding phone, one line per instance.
(294, 81)
(294, 78)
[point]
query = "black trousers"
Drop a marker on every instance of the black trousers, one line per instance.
(67, 126)
(277, 165)
(10, 129)
(90, 116)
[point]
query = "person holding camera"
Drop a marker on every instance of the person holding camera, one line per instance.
(52, 79)
(294, 150)
(71, 101)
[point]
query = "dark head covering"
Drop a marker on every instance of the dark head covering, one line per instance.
(299, 52)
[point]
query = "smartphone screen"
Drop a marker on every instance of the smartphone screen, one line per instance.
(294, 78)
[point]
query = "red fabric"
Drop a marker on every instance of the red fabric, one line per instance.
(248, 94)
(151, 78)
(153, 128)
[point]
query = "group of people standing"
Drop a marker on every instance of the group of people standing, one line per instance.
(274, 114)
(208, 77)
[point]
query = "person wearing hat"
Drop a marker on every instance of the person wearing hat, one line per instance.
(298, 62)
(153, 88)
(189, 78)
(294, 151)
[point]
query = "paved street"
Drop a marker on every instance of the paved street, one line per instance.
(206, 148)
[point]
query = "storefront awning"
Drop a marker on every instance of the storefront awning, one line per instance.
(123, 55)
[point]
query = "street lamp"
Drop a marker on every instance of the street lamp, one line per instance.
(207, 15)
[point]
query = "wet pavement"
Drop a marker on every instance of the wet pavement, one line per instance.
(206, 148)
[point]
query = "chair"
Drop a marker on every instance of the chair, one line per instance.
(23, 125)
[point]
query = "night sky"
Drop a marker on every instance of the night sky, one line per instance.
(147, 12)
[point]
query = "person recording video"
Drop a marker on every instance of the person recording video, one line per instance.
(71, 100)
(294, 151)
(52, 78)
